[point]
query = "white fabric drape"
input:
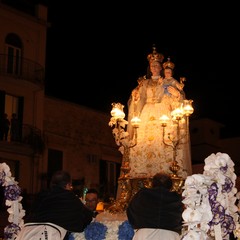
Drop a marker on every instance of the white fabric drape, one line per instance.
(155, 234)
(41, 231)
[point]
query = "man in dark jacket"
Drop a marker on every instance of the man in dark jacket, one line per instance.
(156, 212)
(56, 211)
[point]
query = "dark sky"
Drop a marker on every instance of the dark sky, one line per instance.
(96, 53)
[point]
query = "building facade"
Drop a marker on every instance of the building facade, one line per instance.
(77, 139)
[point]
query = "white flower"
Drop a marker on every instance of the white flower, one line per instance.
(191, 215)
(204, 192)
(79, 236)
(195, 234)
(15, 210)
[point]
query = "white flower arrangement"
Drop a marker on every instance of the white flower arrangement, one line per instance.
(13, 200)
(121, 136)
(210, 201)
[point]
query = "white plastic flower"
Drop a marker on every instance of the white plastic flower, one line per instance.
(13, 201)
(208, 197)
(192, 215)
(195, 234)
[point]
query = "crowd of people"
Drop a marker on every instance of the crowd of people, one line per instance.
(58, 211)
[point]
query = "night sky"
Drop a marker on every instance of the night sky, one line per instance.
(96, 53)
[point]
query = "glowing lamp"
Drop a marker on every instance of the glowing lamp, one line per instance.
(177, 113)
(164, 119)
(117, 111)
(100, 207)
(187, 107)
(135, 121)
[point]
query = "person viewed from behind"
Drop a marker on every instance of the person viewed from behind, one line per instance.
(56, 212)
(91, 200)
(156, 213)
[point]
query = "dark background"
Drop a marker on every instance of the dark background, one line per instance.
(97, 51)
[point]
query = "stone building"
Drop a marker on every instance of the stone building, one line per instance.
(53, 134)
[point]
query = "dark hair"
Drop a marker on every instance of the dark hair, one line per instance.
(60, 179)
(162, 179)
(92, 190)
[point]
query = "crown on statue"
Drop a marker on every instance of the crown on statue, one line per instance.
(155, 56)
(168, 64)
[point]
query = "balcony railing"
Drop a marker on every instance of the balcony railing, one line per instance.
(27, 135)
(21, 68)
(34, 137)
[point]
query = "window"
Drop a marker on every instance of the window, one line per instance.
(14, 54)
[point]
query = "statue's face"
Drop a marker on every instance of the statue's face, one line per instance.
(155, 67)
(168, 72)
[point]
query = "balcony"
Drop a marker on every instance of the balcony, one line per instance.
(21, 68)
(29, 141)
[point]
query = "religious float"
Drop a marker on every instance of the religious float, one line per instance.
(156, 138)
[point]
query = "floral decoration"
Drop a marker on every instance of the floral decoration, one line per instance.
(120, 134)
(106, 230)
(13, 200)
(95, 231)
(210, 201)
(125, 231)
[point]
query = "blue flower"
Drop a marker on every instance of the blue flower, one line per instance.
(12, 192)
(95, 231)
(71, 237)
(125, 231)
(10, 230)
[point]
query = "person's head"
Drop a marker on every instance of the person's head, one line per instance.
(61, 179)
(168, 68)
(155, 62)
(155, 68)
(91, 199)
(168, 72)
(163, 180)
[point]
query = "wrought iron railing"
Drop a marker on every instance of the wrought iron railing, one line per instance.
(34, 137)
(21, 68)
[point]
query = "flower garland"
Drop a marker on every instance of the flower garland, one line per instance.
(210, 201)
(108, 230)
(13, 200)
(95, 231)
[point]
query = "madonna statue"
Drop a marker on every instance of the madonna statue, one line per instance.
(158, 94)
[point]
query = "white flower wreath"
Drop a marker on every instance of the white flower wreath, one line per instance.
(13, 200)
(210, 201)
